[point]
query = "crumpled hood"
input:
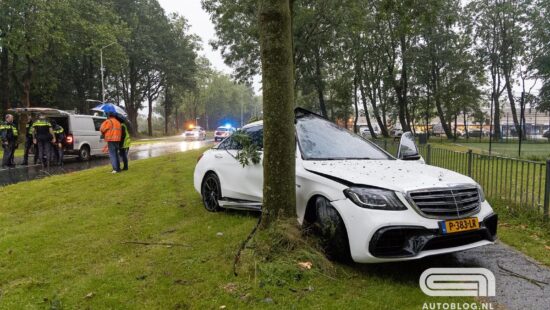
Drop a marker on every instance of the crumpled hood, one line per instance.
(398, 175)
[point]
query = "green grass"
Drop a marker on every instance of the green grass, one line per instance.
(531, 151)
(62, 245)
(524, 231)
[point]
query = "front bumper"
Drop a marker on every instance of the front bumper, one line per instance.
(385, 236)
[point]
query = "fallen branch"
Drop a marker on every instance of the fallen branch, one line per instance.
(517, 275)
(243, 245)
(156, 243)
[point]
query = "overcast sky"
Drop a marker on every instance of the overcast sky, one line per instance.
(200, 25)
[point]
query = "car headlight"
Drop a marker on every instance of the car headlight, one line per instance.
(374, 198)
(481, 193)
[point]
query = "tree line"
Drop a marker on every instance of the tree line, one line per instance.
(403, 61)
(50, 57)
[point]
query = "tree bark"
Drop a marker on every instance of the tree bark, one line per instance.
(5, 80)
(365, 107)
(279, 190)
(319, 84)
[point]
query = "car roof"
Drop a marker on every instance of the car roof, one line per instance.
(253, 124)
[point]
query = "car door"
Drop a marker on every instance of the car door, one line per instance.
(238, 182)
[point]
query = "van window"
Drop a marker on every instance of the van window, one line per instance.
(97, 123)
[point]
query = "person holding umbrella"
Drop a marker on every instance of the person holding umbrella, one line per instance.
(111, 129)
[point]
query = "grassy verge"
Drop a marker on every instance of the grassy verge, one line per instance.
(63, 244)
(525, 231)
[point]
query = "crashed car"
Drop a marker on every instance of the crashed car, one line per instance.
(366, 204)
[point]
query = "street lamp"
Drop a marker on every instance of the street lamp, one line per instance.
(103, 69)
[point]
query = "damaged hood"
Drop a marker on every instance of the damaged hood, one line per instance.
(396, 175)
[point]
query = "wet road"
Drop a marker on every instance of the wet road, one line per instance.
(23, 173)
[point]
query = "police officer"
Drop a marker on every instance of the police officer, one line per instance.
(59, 134)
(43, 136)
(29, 144)
(8, 134)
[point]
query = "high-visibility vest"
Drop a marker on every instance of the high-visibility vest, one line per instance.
(8, 131)
(111, 129)
(41, 130)
(127, 141)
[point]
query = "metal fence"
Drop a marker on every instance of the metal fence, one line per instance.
(521, 184)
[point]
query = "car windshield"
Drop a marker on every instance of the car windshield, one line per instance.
(320, 139)
(222, 129)
(197, 129)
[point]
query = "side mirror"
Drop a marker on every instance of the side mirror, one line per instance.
(407, 148)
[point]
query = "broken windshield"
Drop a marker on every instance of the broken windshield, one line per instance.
(320, 139)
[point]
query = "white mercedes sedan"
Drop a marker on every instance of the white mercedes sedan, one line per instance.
(364, 203)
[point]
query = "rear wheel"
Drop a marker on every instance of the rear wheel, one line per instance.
(84, 153)
(331, 230)
(211, 192)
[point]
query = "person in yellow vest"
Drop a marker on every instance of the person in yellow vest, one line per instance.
(43, 136)
(8, 135)
(124, 145)
(112, 132)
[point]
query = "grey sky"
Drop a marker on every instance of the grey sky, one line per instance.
(200, 25)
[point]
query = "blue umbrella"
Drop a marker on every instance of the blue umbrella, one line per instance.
(109, 108)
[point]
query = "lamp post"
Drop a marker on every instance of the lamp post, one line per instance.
(103, 69)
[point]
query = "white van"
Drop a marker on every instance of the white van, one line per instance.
(83, 137)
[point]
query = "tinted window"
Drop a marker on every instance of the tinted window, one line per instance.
(321, 139)
(229, 144)
(256, 135)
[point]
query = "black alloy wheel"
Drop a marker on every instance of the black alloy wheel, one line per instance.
(211, 192)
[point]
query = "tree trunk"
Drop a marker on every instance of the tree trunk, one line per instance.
(150, 116)
(355, 105)
(319, 84)
(365, 107)
(279, 190)
(27, 77)
(5, 80)
(512, 102)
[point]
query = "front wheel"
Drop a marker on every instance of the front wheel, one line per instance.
(211, 192)
(331, 230)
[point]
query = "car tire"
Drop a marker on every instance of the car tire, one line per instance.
(84, 153)
(211, 192)
(331, 230)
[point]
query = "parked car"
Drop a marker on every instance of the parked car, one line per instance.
(195, 133)
(83, 137)
(223, 132)
(366, 203)
(476, 133)
(365, 132)
(546, 134)
(396, 132)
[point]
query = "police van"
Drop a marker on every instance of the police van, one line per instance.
(83, 137)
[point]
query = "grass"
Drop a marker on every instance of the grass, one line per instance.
(524, 231)
(63, 246)
(532, 151)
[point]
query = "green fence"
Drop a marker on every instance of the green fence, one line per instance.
(520, 183)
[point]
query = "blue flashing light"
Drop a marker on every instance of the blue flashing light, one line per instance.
(228, 125)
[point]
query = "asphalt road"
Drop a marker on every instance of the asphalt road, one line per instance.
(522, 283)
(27, 173)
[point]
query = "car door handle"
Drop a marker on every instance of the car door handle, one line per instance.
(218, 156)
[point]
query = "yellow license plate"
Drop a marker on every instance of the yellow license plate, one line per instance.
(454, 226)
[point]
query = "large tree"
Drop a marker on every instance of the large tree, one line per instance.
(275, 28)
